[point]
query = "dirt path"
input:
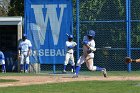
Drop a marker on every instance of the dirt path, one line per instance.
(29, 80)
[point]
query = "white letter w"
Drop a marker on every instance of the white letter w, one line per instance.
(51, 15)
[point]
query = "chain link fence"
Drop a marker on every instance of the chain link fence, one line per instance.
(108, 18)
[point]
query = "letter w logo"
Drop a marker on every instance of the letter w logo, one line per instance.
(51, 15)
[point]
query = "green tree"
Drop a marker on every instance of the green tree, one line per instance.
(2, 12)
(16, 8)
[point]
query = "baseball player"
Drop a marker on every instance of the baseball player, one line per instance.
(88, 55)
(2, 62)
(24, 52)
(70, 44)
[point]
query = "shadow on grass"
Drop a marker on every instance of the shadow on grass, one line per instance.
(8, 80)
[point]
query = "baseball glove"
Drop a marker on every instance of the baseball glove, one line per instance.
(128, 60)
(74, 44)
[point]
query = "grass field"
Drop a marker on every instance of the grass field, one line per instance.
(7, 80)
(79, 87)
(128, 86)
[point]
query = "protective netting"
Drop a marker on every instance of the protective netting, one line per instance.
(108, 18)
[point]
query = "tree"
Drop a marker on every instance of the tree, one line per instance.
(2, 12)
(4, 7)
(16, 8)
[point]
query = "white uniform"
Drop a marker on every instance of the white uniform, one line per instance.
(69, 52)
(88, 55)
(24, 46)
(86, 50)
(2, 58)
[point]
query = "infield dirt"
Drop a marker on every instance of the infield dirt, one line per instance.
(30, 80)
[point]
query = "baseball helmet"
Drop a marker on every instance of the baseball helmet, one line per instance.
(70, 36)
(24, 36)
(91, 33)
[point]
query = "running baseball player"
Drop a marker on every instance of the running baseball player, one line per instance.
(70, 44)
(24, 52)
(2, 62)
(88, 55)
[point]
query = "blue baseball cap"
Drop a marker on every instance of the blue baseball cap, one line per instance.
(24, 35)
(91, 33)
(70, 36)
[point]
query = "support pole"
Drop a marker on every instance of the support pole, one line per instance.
(77, 27)
(54, 68)
(128, 26)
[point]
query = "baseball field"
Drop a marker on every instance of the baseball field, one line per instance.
(87, 82)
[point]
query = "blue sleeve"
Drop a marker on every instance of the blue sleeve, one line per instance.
(85, 42)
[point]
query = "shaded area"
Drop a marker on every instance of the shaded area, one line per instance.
(8, 80)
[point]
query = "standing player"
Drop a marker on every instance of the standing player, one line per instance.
(70, 44)
(88, 55)
(24, 52)
(2, 62)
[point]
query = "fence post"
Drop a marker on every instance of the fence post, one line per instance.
(77, 26)
(128, 26)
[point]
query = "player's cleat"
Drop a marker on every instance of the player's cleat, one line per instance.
(72, 70)
(21, 71)
(104, 72)
(3, 72)
(75, 76)
(64, 71)
(26, 71)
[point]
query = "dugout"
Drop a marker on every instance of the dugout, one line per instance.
(10, 34)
